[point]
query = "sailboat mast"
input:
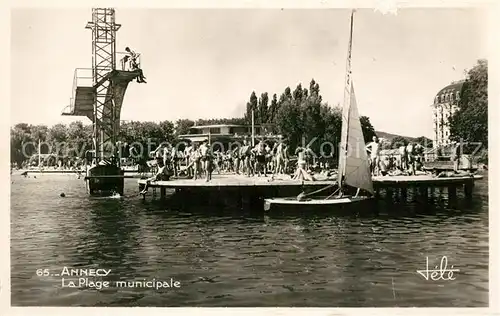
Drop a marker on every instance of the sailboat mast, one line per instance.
(345, 108)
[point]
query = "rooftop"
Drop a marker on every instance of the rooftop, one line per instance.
(452, 87)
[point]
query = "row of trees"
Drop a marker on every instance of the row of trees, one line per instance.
(403, 141)
(301, 115)
(470, 122)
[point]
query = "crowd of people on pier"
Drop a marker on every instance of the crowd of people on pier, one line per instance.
(200, 161)
(408, 159)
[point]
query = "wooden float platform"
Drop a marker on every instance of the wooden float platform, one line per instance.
(240, 181)
(250, 192)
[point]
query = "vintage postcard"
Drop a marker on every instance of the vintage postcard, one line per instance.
(225, 156)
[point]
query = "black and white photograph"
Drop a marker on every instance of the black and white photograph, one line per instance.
(249, 157)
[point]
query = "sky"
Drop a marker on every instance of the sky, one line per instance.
(204, 63)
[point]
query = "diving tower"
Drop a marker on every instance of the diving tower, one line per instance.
(98, 94)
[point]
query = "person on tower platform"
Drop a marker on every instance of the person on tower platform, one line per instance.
(134, 65)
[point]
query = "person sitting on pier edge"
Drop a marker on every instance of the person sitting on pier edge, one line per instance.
(301, 173)
(383, 166)
(134, 66)
(161, 175)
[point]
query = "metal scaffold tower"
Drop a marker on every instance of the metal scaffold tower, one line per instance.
(101, 100)
(106, 119)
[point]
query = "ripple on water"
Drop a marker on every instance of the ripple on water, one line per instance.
(223, 260)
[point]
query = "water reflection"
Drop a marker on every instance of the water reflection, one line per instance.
(226, 257)
(111, 237)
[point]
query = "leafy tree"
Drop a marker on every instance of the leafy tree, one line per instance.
(302, 117)
(299, 116)
(234, 120)
(470, 122)
(79, 139)
(366, 126)
(182, 126)
(288, 122)
(167, 130)
(398, 141)
(273, 108)
(332, 121)
(263, 109)
(57, 137)
(252, 105)
(424, 141)
(312, 87)
(287, 94)
(39, 132)
(19, 136)
(298, 93)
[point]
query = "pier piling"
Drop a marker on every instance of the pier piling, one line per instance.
(404, 194)
(452, 192)
(468, 187)
(249, 192)
(389, 195)
(424, 194)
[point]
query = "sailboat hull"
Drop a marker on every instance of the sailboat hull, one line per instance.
(316, 203)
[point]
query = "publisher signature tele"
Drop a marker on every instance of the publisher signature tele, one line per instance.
(438, 273)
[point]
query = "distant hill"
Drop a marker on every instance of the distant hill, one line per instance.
(390, 136)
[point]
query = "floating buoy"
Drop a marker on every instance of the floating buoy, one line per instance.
(62, 194)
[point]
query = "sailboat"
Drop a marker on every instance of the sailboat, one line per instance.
(354, 169)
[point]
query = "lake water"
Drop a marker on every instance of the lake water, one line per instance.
(236, 259)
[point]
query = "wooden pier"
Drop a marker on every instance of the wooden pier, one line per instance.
(250, 189)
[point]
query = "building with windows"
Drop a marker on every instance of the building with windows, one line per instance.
(445, 104)
(227, 132)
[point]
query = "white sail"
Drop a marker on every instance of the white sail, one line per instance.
(356, 169)
(343, 132)
(345, 108)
